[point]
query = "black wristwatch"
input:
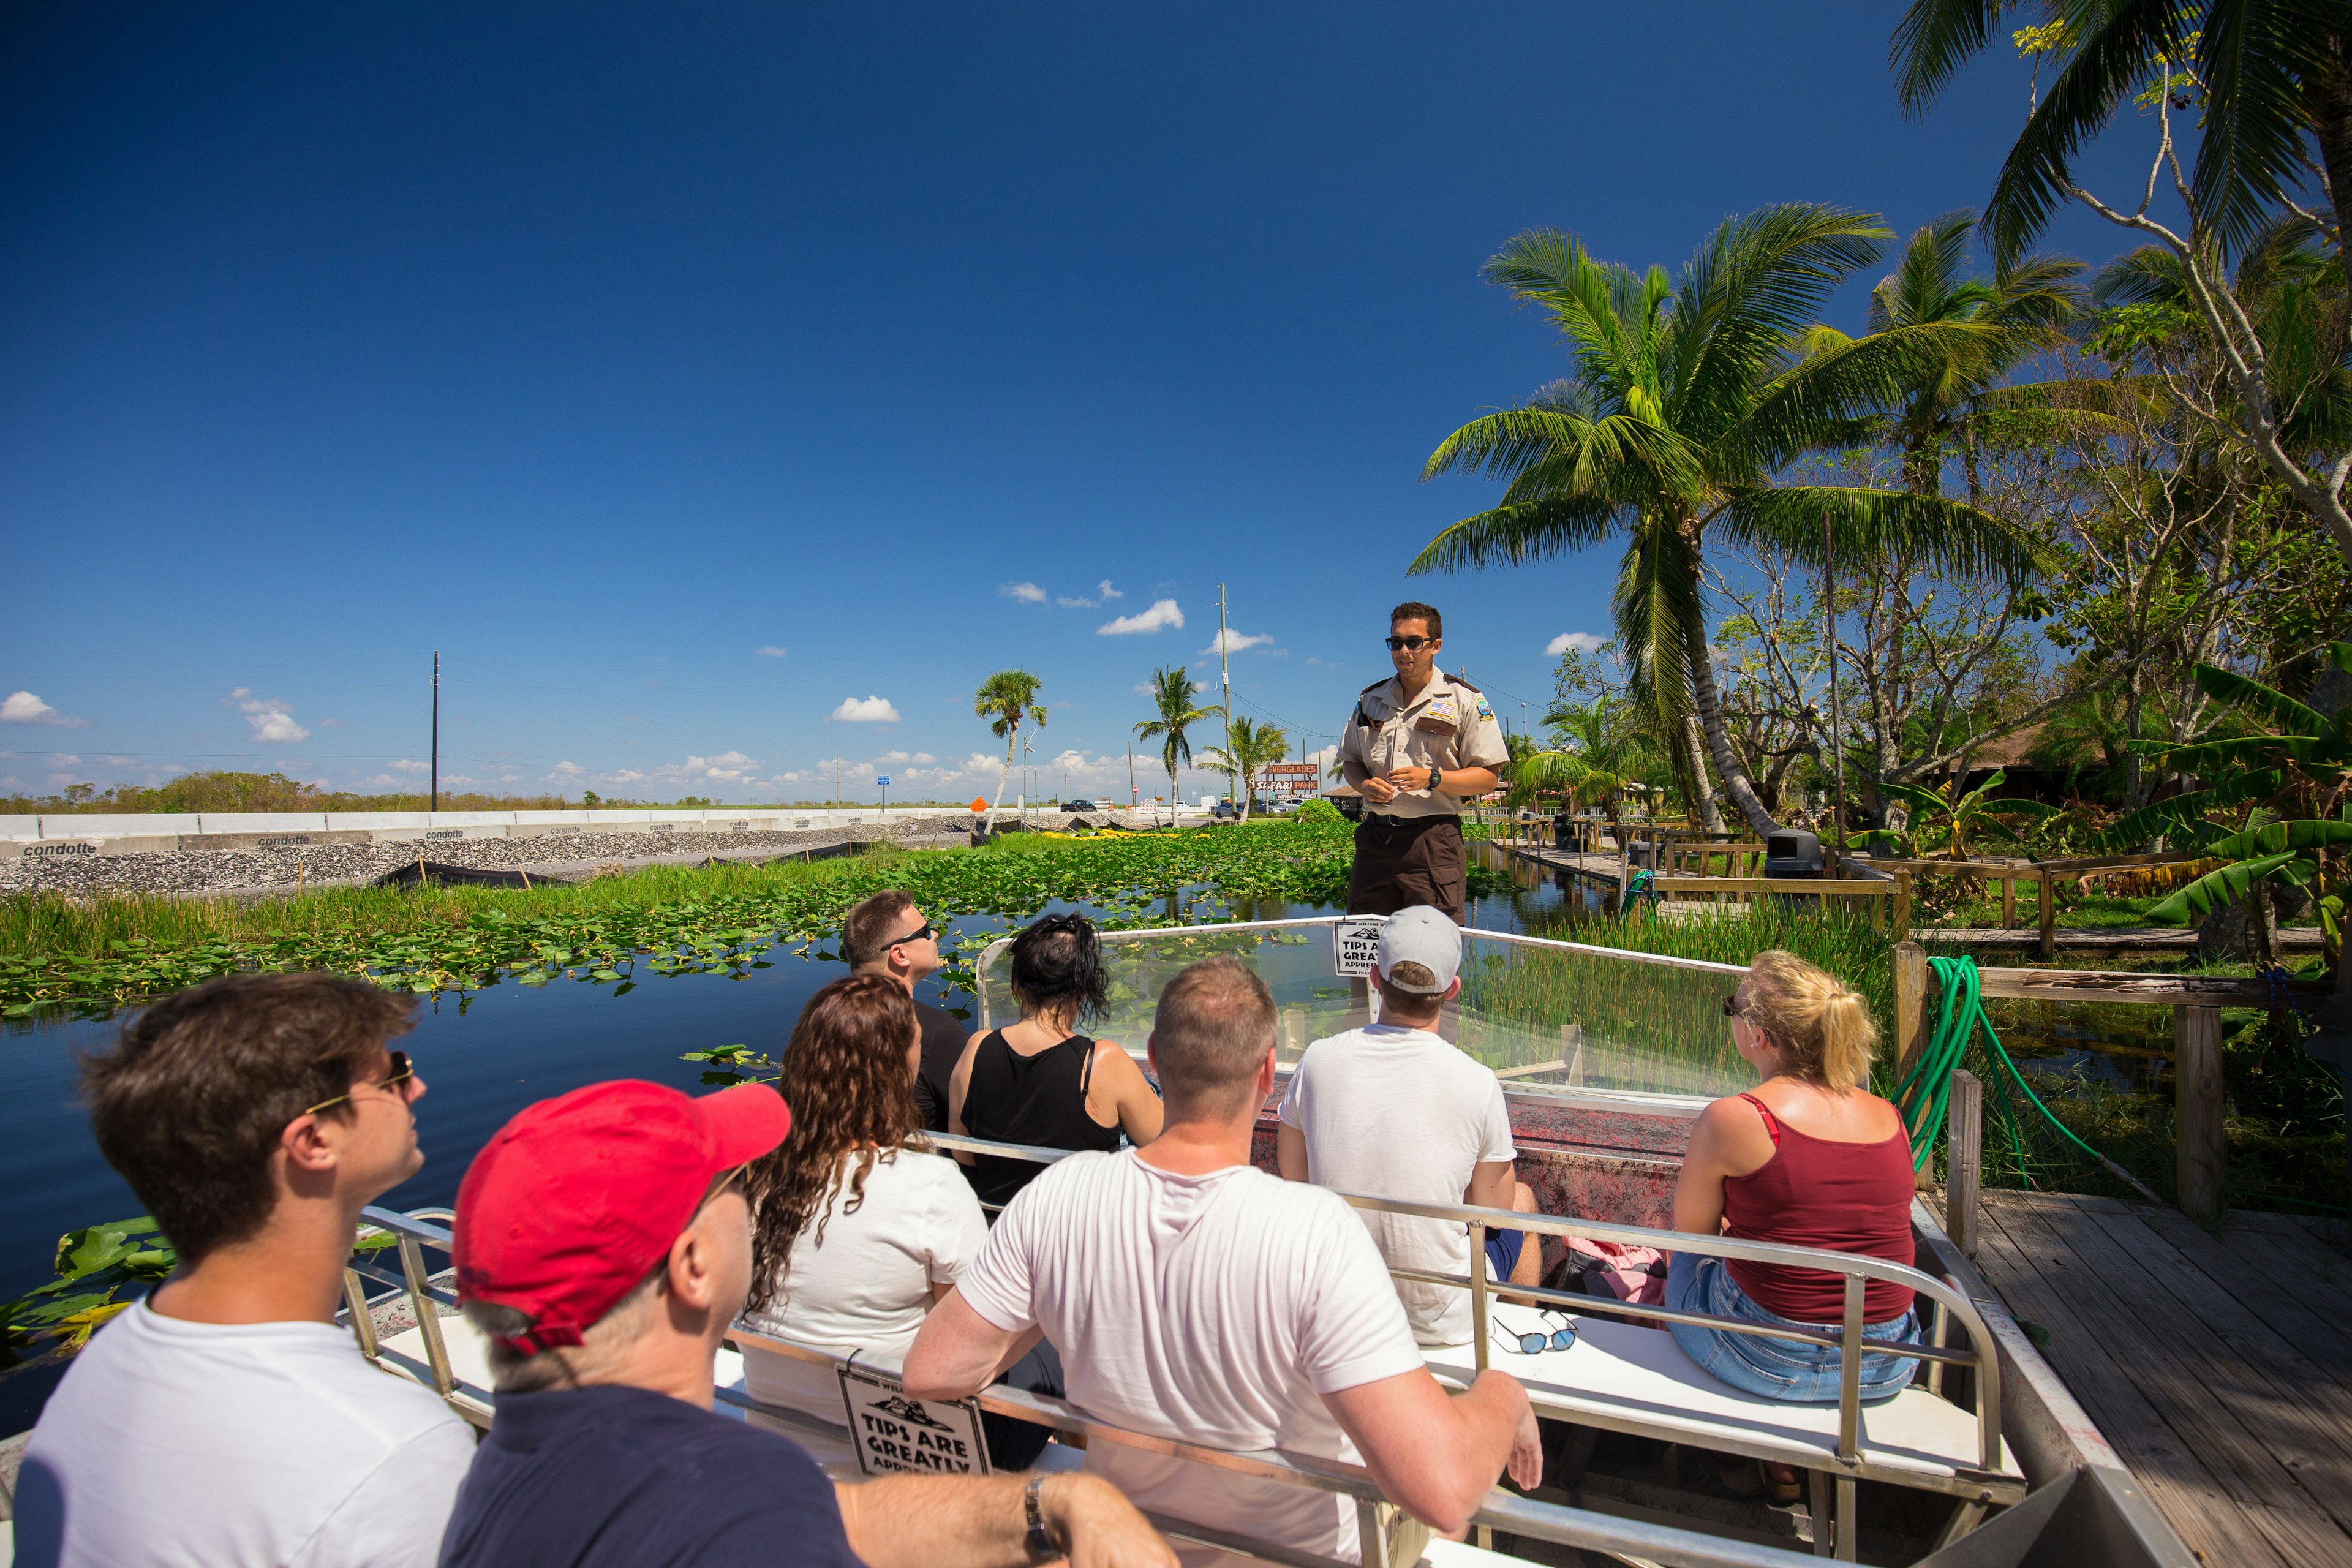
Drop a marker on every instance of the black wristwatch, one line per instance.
(1436, 776)
(1039, 1541)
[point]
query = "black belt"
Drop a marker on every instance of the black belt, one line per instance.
(1384, 820)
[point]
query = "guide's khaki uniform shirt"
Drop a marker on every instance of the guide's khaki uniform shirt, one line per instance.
(1449, 724)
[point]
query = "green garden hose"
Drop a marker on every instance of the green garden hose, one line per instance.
(1924, 1093)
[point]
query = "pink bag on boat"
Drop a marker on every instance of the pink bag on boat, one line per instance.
(1624, 1272)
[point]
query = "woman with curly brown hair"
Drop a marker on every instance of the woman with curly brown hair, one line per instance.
(857, 1226)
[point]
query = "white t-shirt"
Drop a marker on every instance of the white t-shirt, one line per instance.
(1218, 1310)
(867, 1284)
(1392, 1113)
(236, 1445)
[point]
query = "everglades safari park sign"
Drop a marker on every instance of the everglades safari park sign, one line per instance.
(895, 1434)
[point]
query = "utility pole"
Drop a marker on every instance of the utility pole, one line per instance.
(437, 730)
(836, 780)
(1829, 641)
(1226, 677)
(1133, 798)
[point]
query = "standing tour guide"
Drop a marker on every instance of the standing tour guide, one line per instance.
(1415, 747)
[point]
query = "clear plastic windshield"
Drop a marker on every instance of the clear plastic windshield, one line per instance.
(1542, 1015)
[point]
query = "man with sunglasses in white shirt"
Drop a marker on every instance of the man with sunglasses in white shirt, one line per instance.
(226, 1419)
(1416, 747)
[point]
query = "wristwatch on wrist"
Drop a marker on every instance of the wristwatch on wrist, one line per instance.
(1436, 776)
(1039, 1541)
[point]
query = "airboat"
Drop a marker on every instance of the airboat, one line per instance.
(1606, 1057)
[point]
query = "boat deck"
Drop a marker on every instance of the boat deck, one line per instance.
(2220, 1369)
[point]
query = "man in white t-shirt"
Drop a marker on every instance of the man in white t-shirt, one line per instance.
(1196, 1297)
(1394, 1111)
(225, 1420)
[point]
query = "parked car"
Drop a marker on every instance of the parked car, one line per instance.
(1224, 811)
(1081, 804)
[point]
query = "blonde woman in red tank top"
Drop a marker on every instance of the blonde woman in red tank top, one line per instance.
(1810, 1157)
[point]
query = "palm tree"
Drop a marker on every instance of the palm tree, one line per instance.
(1172, 693)
(2271, 74)
(1005, 700)
(2271, 82)
(1254, 743)
(2024, 311)
(1689, 398)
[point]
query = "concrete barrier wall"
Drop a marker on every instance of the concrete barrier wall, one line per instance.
(224, 830)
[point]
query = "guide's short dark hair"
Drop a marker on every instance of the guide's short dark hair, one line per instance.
(189, 1104)
(865, 932)
(1415, 610)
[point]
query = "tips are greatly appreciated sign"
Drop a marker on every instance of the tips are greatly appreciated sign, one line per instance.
(1354, 941)
(899, 1434)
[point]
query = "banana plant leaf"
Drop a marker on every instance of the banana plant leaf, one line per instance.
(2166, 815)
(2214, 889)
(2277, 836)
(2281, 712)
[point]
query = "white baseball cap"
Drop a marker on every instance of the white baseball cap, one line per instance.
(1419, 935)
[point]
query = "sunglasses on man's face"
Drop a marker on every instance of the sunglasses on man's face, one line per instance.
(404, 1072)
(918, 934)
(1415, 643)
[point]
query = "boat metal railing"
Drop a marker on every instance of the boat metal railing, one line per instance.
(1378, 1536)
(1848, 1464)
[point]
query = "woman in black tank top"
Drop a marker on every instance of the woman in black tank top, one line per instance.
(1040, 1081)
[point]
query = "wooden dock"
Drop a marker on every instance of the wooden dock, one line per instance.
(2119, 938)
(2220, 1369)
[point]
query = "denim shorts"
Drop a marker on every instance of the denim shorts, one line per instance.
(1792, 1369)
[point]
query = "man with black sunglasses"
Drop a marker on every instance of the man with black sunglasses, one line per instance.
(254, 1115)
(888, 935)
(1417, 745)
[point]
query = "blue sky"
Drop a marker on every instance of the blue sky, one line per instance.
(720, 388)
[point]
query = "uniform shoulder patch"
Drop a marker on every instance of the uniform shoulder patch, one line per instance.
(1462, 683)
(1484, 710)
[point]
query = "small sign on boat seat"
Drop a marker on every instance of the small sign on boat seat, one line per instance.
(895, 1434)
(1354, 941)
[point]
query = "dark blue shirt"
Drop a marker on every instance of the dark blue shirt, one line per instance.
(626, 1477)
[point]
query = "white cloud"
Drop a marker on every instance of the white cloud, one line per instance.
(566, 770)
(1231, 641)
(923, 757)
(868, 710)
(24, 708)
(1027, 593)
(1104, 595)
(770, 651)
(12, 782)
(1576, 642)
(271, 720)
(628, 775)
(1162, 614)
(409, 765)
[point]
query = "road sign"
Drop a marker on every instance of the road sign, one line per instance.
(885, 783)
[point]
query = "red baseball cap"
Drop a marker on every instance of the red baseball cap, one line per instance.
(576, 1198)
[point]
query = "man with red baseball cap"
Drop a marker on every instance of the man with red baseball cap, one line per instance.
(604, 1244)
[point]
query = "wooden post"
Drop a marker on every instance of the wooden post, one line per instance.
(1902, 903)
(2049, 915)
(1910, 1007)
(1963, 1160)
(1571, 1052)
(2008, 902)
(2197, 1109)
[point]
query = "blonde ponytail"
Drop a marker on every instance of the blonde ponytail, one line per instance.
(1821, 1029)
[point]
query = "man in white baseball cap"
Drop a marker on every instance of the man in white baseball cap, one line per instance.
(1392, 1110)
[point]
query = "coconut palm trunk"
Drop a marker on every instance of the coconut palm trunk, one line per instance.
(1708, 698)
(1002, 775)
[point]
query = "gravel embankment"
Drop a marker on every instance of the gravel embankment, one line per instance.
(571, 858)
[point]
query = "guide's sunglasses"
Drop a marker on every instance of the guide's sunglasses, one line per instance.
(1414, 643)
(1731, 1007)
(403, 1072)
(918, 934)
(1560, 1339)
